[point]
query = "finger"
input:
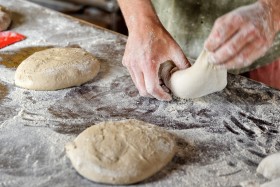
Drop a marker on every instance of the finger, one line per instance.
(223, 29)
(153, 86)
(179, 58)
(233, 46)
(132, 76)
(138, 79)
(247, 55)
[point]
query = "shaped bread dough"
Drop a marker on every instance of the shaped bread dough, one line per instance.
(5, 19)
(199, 80)
(123, 152)
(270, 166)
(56, 68)
(274, 183)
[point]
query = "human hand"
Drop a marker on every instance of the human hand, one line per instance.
(242, 36)
(147, 47)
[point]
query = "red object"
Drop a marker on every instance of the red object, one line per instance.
(269, 74)
(9, 38)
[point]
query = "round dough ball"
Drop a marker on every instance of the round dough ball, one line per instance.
(274, 183)
(5, 19)
(56, 68)
(122, 152)
(270, 166)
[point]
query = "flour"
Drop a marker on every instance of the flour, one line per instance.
(7, 75)
(221, 137)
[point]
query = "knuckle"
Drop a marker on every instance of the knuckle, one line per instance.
(261, 41)
(252, 29)
(253, 33)
(263, 50)
(219, 22)
(150, 67)
(237, 18)
(124, 63)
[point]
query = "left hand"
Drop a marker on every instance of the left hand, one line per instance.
(241, 36)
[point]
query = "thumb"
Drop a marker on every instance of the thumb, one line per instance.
(180, 59)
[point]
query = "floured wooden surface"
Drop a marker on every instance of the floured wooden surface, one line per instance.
(221, 137)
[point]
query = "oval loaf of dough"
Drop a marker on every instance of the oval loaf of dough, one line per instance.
(122, 152)
(56, 68)
(270, 166)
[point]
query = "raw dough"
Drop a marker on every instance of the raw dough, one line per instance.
(270, 166)
(56, 68)
(5, 19)
(274, 183)
(199, 80)
(123, 152)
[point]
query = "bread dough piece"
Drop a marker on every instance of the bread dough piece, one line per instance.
(199, 80)
(250, 184)
(270, 166)
(56, 68)
(5, 19)
(123, 152)
(274, 183)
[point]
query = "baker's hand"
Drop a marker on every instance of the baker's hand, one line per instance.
(242, 36)
(147, 47)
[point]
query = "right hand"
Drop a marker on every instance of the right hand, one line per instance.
(243, 35)
(148, 46)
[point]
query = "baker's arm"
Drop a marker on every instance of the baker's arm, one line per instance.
(243, 35)
(148, 45)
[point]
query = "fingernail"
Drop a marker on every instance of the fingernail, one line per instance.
(211, 59)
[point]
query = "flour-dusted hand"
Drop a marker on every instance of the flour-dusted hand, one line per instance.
(146, 49)
(243, 35)
(148, 46)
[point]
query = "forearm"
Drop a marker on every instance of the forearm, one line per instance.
(273, 8)
(137, 12)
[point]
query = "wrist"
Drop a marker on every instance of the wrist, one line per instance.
(272, 10)
(138, 14)
(143, 24)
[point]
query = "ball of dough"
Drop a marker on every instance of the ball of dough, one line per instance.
(199, 80)
(274, 183)
(5, 19)
(270, 166)
(56, 68)
(123, 152)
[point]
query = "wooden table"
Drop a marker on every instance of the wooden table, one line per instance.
(221, 137)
